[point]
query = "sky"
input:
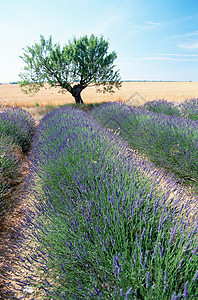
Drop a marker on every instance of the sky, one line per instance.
(154, 40)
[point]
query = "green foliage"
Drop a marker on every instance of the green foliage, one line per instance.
(90, 59)
(85, 61)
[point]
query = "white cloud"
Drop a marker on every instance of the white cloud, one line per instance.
(153, 23)
(145, 26)
(168, 58)
(194, 33)
(190, 45)
(163, 57)
(176, 54)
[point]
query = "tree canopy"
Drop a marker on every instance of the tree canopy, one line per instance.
(81, 63)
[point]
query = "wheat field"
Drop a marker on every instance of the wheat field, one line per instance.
(137, 93)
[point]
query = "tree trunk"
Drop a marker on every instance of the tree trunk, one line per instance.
(76, 91)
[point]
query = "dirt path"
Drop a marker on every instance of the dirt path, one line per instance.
(9, 228)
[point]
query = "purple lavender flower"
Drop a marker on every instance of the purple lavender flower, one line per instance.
(185, 294)
(97, 291)
(117, 268)
(175, 296)
(146, 259)
(128, 293)
(195, 250)
(187, 245)
(196, 276)
(147, 279)
(180, 264)
(154, 252)
(165, 276)
(143, 233)
(150, 234)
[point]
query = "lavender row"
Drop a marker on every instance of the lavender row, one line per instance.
(99, 229)
(169, 141)
(17, 124)
(9, 172)
(16, 132)
(187, 109)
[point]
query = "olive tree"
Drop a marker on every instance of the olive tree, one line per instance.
(80, 63)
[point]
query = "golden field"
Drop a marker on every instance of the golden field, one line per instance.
(137, 93)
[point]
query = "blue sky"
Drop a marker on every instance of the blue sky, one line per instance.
(154, 40)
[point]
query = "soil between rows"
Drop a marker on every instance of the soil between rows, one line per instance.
(9, 229)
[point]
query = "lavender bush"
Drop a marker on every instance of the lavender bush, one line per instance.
(187, 109)
(99, 229)
(18, 124)
(9, 170)
(169, 141)
(162, 106)
(16, 130)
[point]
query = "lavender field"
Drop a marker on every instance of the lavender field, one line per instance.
(98, 226)
(161, 131)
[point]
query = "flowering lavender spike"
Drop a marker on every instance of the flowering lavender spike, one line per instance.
(179, 245)
(180, 264)
(147, 279)
(91, 294)
(150, 234)
(161, 250)
(196, 276)
(176, 297)
(195, 250)
(185, 294)
(117, 268)
(165, 276)
(143, 233)
(154, 252)
(187, 245)
(141, 259)
(128, 293)
(146, 259)
(96, 290)
(62, 267)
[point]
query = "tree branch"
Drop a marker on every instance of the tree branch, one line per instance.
(64, 84)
